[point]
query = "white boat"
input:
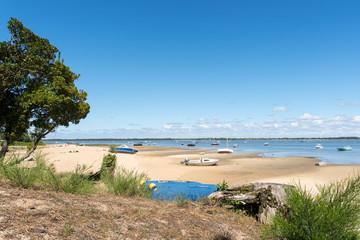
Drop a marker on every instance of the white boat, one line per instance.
(225, 150)
(235, 146)
(265, 144)
(200, 162)
(318, 146)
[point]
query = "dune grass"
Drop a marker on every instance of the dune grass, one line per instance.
(126, 183)
(332, 214)
(40, 174)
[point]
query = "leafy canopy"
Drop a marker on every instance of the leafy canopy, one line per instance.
(37, 91)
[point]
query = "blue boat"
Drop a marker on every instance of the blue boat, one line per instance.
(123, 149)
(175, 190)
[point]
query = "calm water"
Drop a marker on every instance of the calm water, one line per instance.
(289, 148)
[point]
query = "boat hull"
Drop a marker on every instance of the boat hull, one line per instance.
(344, 149)
(225, 150)
(124, 150)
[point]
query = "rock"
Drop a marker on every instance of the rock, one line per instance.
(262, 200)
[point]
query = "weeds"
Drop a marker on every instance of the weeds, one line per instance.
(222, 186)
(21, 175)
(181, 201)
(126, 183)
(73, 182)
(332, 214)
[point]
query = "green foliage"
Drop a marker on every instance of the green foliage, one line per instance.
(181, 201)
(37, 91)
(72, 182)
(127, 183)
(222, 186)
(21, 175)
(108, 165)
(333, 214)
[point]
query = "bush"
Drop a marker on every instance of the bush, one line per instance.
(332, 214)
(127, 183)
(72, 182)
(108, 165)
(21, 175)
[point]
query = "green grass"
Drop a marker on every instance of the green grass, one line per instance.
(127, 183)
(332, 214)
(21, 175)
(72, 182)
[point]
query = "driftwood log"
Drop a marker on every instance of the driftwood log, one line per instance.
(262, 200)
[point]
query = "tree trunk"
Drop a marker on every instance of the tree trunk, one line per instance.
(4, 148)
(27, 154)
(37, 140)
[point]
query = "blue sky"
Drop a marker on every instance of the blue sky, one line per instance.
(206, 68)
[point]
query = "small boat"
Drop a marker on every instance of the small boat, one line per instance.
(123, 149)
(235, 146)
(265, 144)
(138, 144)
(318, 146)
(345, 148)
(225, 150)
(200, 162)
(191, 144)
(215, 143)
(320, 164)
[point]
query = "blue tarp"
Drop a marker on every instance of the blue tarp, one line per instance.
(174, 190)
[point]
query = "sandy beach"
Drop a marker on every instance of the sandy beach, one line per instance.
(163, 163)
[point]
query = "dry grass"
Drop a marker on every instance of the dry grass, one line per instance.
(36, 214)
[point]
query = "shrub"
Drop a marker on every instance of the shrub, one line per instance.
(222, 186)
(21, 175)
(108, 165)
(127, 183)
(332, 214)
(72, 182)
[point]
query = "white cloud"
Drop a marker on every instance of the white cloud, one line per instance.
(168, 126)
(280, 109)
(294, 124)
(350, 104)
(357, 118)
(204, 126)
(308, 116)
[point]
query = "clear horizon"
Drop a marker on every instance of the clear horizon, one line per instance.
(205, 69)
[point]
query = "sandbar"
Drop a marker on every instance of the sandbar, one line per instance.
(163, 163)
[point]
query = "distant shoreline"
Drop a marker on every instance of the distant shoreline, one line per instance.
(200, 139)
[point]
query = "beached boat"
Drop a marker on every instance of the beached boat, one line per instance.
(123, 149)
(138, 144)
(320, 164)
(318, 146)
(200, 162)
(225, 150)
(345, 148)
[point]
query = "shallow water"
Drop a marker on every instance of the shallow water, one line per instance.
(276, 148)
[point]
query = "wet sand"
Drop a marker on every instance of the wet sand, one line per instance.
(163, 163)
